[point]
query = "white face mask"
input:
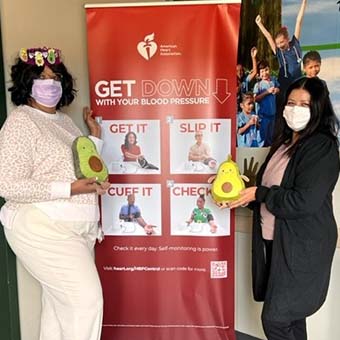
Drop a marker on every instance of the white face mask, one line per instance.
(297, 117)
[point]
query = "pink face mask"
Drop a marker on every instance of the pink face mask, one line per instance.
(47, 92)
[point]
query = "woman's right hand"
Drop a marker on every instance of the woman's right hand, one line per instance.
(86, 186)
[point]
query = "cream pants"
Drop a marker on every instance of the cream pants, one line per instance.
(60, 256)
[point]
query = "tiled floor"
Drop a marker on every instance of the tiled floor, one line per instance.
(242, 336)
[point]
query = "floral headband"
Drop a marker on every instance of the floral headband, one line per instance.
(40, 56)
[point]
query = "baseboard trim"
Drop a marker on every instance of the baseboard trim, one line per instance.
(243, 336)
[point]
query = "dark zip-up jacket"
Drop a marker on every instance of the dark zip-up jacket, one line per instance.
(305, 232)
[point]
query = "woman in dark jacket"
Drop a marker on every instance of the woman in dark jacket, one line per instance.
(294, 230)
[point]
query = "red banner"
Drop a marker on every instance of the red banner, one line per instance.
(163, 81)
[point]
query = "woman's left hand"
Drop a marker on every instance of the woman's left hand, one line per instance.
(94, 127)
(246, 196)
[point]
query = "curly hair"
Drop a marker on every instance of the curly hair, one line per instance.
(23, 74)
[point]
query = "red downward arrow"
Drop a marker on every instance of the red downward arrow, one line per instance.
(221, 93)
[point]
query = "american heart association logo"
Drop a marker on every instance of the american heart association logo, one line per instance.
(148, 47)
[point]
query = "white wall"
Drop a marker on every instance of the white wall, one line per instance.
(52, 23)
(323, 325)
(61, 23)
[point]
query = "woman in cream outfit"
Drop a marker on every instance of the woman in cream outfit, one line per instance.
(50, 217)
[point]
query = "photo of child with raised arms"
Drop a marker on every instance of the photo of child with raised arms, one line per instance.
(193, 212)
(198, 145)
(129, 210)
(130, 146)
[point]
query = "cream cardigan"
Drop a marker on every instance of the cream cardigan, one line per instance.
(36, 166)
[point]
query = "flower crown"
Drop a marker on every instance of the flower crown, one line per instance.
(40, 56)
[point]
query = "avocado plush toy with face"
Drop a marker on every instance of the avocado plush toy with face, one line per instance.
(87, 161)
(227, 183)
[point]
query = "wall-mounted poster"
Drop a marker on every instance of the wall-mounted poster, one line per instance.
(281, 41)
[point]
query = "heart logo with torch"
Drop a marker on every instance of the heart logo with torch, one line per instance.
(148, 47)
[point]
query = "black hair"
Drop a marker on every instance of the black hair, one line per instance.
(202, 197)
(247, 95)
(311, 56)
(126, 141)
(242, 68)
(323, 118)
(262, 64)
(23, 74)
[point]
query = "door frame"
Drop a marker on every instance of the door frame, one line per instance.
(9, 307)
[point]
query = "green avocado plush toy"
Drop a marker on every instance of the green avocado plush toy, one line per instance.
(87, 161)
(227, 183)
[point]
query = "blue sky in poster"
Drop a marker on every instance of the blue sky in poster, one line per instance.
(321, 26)
(321, 22)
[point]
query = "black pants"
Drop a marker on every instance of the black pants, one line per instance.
(295, 330)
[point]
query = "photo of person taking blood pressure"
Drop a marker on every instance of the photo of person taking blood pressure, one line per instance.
(130, 213)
